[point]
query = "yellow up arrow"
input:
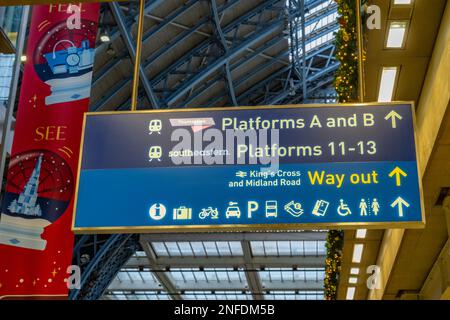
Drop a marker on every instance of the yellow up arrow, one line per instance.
(398, 173)
(393, 116)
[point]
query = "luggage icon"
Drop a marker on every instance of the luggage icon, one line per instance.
(182, 213)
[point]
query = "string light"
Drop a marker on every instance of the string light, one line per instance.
(346, 84)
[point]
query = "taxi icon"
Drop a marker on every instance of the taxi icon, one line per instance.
(233, 210)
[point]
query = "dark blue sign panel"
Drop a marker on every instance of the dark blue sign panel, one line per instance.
(289, 167)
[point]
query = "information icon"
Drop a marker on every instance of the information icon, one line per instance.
(157, 211)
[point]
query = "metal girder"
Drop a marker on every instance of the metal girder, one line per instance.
(176, 40)
(159, 274)
(170, 18)
(316, 93)
(322, 12)
(313, 19)
(133, 285)
(232, 236)
(321, 73)
(310, 261)
(204, 45)
(220, 10)
(310, 19)
(310, 58)
(231, 27)
(316, 90)
(111, 64)
(246, 59)
(139, 285)
(100, 258)
(206, 34)
(149, 6)
(304, 72)
(233, 52)
(185, 286)
(223, 41)
(251, 74)
(116, 11)
(244, 96)
(253, 279)
(230, 85)
(99, 105)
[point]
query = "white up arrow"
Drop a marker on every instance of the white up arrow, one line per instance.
(393, 116)
(400, 203)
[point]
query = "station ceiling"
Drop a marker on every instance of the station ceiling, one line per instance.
(210, 54)
(217, 53)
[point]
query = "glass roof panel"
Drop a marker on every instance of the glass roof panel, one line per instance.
(141, 295)
(160, 249)
(224, 248)
(291, 275)
(188, 277)
(217, 295)
(288, 248)
(6, 67)
(185, 249)
(294, 295)
(139, 254)
(197, 248)
(172, 249)
(319, 7)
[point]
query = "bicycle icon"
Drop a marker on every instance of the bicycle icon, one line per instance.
(209, 212)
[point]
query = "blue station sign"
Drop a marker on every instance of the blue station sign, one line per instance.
(249, 168)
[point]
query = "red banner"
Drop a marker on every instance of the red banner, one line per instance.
(35, 239)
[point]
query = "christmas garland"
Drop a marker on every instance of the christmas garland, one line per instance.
(346, 85)
(334, 244)
(346, 76)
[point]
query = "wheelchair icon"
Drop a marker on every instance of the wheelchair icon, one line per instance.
(343, 209)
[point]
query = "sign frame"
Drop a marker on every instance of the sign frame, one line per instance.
(254, 227)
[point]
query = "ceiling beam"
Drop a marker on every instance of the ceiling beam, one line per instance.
(253, 279)
(233, 236)
(232, 26)
(161, 276)
(244, 60)
(226, 66)
(328, 70)
(258, 262)
(233, 52)
(202, 285)
(118, 17)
